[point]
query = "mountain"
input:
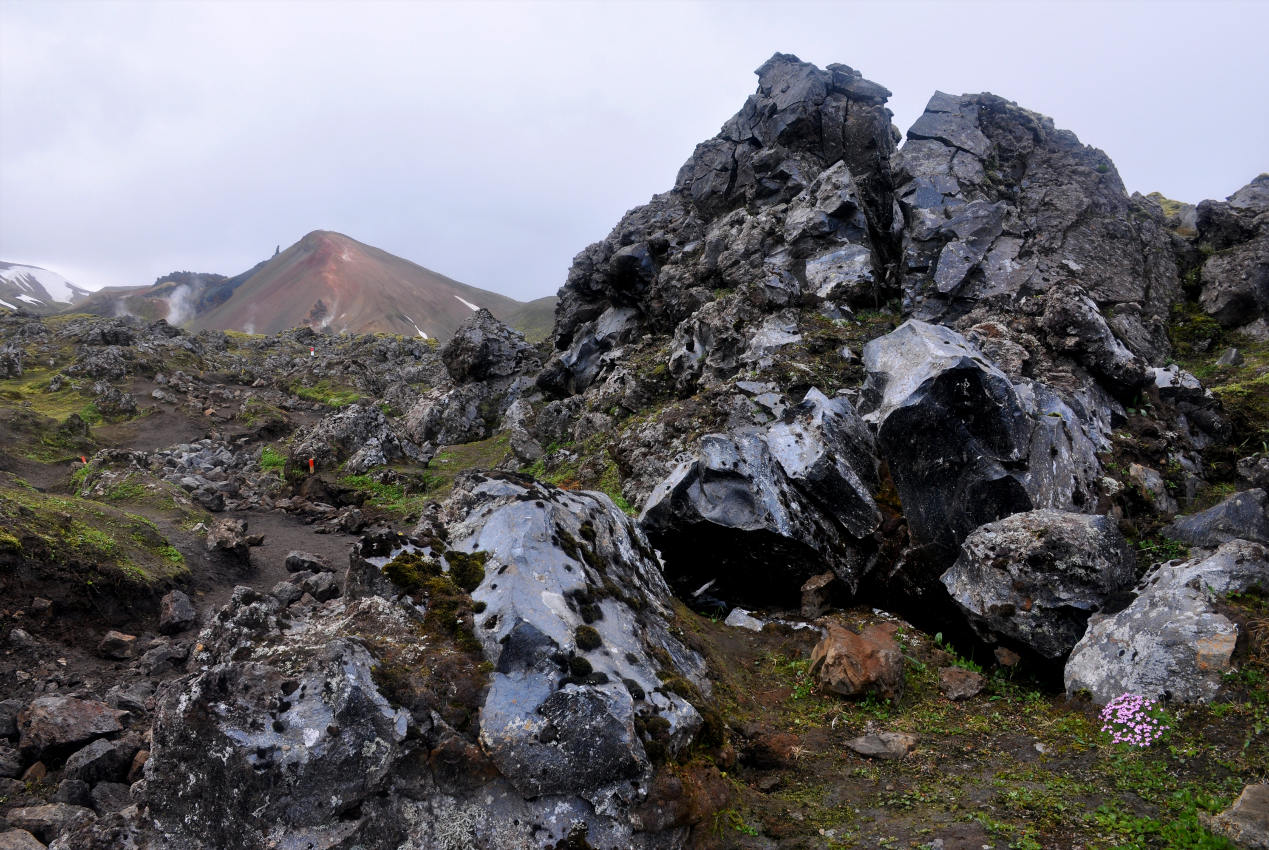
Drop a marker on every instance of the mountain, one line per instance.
(333, 282)
(35, 289)
(327, 281)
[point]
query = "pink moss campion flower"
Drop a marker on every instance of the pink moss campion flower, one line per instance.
(1134, 720)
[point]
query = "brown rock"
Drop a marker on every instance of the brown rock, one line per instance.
(51, 820)
(35, 773)
(138, 765)
(817, 595)
(769, 750)
(117, 645)
(957, 683)
(1007, 657)
(884, 745)
(19, 839)
(176, 613)
(853, 665)
(57, 726)
(1246, 822)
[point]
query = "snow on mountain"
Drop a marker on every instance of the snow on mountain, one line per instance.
(21, 280)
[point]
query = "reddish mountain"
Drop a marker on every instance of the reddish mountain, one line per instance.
(332, 282)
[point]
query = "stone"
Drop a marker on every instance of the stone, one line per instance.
(117, 645)
(321, 586)
(957, 683)
(74, 792)
(299, 562)
(228, 538)
(1246, 821)
(9, 709)
(19, 839)
(1230, 357)
(133, 696)
(53, 727)
(1243, 515)
(110, 797)
(483, 347)
(176, 613)
(1254, 470)
(48, 821)
(1035, 578)
(162, 657)
(854, 665)
(739, 618)
(1170, 643)
(964, 445)
(758, 502)
(100, 761)
(356, 438)
(884, 745)
(818, 595)
(10, 762)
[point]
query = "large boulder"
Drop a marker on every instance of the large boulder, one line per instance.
(356, 438)
(1033, 579)
(1171, 643)
(484, 348)
(571, 582)
(964, 445)
(759, 511)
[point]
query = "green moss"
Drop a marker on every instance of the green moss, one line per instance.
(587, 638)
(271, 459)
(467, 570)
(409, 571)
(450, 461)
(324, 392)
(1193, 332)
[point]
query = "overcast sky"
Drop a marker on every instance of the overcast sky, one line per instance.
(492, 141)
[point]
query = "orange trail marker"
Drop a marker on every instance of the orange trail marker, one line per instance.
(310, 466)
(84, 459)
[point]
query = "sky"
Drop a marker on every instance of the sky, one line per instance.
(492, 141)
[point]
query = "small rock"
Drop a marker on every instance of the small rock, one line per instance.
(19, 839)
(61, 725)
(176, 613)
(1230, 357)
(769, 750)
(21, 638)
(739, 618)
(322, 586)
(1246, 822)
(884, 745)
(957, 683)
(35, 773)
(133, 697)
(110, 797)
(10, 762)
(100, 761)
(136, 771)
(39, 605)
(852, 665)
(51, 820)
(117, 645)
(75, 792)
(299, 562)
(1006, 657)
(9, 717)
(817, 595)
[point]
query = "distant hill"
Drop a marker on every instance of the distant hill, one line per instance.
(327, 281)
(36, 290)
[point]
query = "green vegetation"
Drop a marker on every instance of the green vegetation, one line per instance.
(403, 498)
(324, 392)
(450, 461)
(272, 460)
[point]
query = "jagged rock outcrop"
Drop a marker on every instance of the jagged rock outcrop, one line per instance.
(1171, 643)
(1033, 579)
(757, 509)
(1000, 205)
(791, 203)
(1243, 515)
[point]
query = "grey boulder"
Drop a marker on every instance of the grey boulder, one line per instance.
(1243, 515)
(1171, 643)
(1033, 579)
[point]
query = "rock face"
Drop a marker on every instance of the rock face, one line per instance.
(1235, 277)
(789, 499)
(964, 445)
(1170, 643)
(1001, 205)
(1034, 578)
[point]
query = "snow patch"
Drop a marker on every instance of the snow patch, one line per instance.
(416, 326)
(468, 303)
(4, 303)
(28, 299)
